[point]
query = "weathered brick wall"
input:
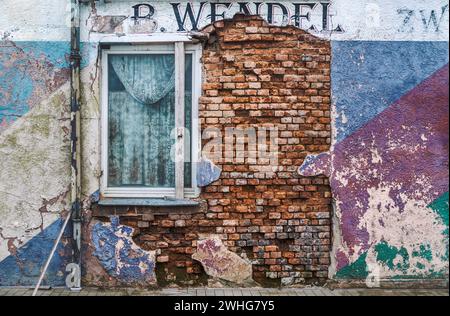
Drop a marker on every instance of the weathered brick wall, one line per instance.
(255, 75)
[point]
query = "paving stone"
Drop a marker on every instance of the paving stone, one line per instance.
(210, 292)
(201, 292)
(255, 292)
(228, 292)
(219, 292)
(246, 292)
(237, 292)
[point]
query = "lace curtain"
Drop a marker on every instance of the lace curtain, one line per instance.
(147, 78)
(141, 118)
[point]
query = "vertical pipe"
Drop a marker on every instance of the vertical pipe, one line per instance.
(75, 120)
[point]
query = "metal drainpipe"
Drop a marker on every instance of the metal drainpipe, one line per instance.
(75, 121)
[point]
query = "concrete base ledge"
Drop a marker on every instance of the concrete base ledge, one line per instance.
(391, 284)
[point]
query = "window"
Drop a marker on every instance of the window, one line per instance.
(150, 120)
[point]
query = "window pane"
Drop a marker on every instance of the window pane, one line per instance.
(141, 105)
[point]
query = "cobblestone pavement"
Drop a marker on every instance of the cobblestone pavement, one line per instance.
(310, 291)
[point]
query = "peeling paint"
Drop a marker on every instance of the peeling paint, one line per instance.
(108, 24)
(29, 72)
(221, 263)
(120, 256)
(207, 172)
(385, 178)
(28, 168)
(23, 266)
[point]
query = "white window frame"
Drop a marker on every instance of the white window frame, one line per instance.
(179, 191)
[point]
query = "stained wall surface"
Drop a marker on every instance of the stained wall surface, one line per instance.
(34, 140)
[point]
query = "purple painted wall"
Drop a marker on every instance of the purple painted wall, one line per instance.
(389, 164)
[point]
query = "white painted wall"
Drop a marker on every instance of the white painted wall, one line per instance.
(373, 20)
(35, 148)
(370, 20)
(35, 20)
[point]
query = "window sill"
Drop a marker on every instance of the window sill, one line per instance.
(146, 202)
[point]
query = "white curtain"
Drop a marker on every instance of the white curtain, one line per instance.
(147, 78)
(141, 118)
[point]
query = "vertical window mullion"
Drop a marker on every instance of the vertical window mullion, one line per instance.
(179, 119)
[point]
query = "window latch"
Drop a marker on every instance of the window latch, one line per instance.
(180, 132)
